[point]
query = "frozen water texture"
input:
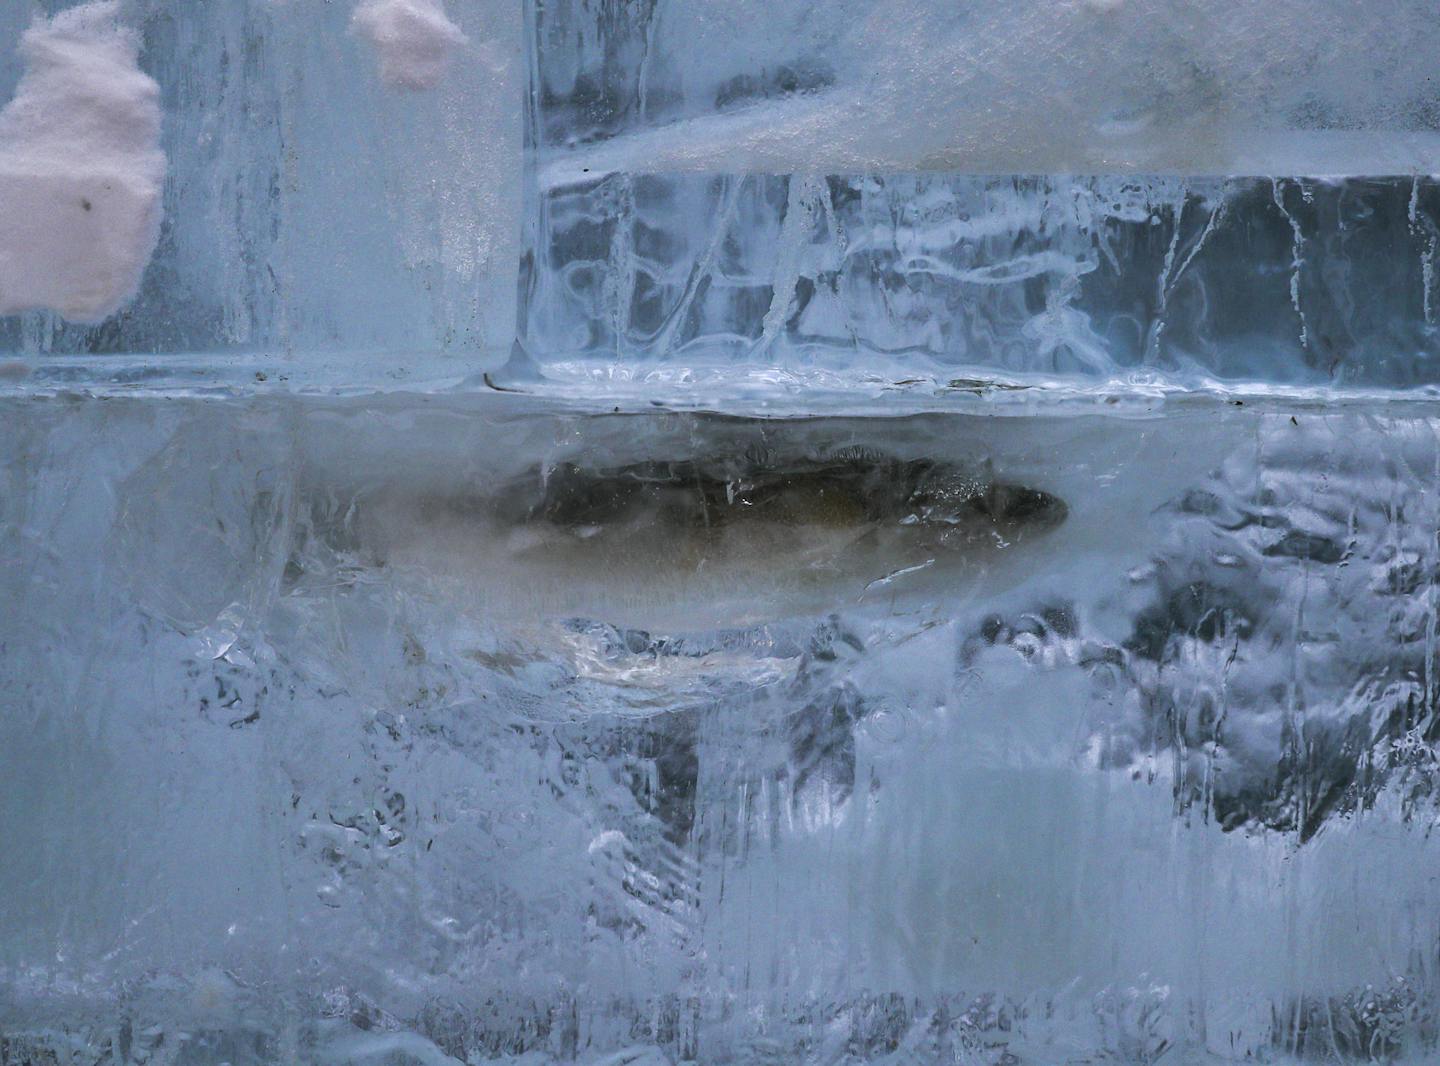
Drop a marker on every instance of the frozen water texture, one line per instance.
(868, 597)
(936, 278)
(80, 168)
(1284, 87)
(878, 193)
(313, 215)
(334, 733)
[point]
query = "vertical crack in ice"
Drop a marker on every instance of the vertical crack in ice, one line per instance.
(1427, 280)
(1430, 611)
(619, 284)
(805, 198)
(1422, 225)
(724, 213)
(1217, 213)
(1152, 346)
(1297, 260)
(642, 77)
(1170, 275)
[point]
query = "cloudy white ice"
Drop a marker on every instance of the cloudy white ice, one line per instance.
(679, 531)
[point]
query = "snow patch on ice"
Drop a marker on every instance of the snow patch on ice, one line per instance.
(81, 169)
(414, 39)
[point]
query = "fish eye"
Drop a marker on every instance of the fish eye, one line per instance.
(1022, 504)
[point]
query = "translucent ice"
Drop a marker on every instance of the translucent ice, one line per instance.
(938, 278)
(977, 87)
(1160, 776)
(308, 206)
(662, 532)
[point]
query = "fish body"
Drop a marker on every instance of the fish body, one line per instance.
(854, 491)
(699, 542)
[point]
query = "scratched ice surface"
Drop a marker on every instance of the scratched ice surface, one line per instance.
(658, 533)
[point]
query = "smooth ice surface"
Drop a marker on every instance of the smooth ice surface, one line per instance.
(343, 730)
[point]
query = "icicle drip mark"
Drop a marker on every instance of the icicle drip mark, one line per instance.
(619, 284)
(1297, 260)
(806, 198)
(1421, 224)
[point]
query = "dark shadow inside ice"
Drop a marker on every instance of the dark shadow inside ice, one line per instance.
(853, 488)
(724, 529)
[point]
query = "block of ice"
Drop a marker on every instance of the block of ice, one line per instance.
(878, 612)
(937, 278)
(977, 87)
(308, 206)
(1097, 783)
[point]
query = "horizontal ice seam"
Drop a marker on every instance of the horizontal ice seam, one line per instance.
(762, 140)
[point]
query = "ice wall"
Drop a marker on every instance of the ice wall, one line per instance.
(893, 709)
(281, 786)
(905, 278)
(921, 191)
(1074, 86)
(310, 205)
(347, 190)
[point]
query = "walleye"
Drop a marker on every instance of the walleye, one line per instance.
(855, 490)
(701, 541)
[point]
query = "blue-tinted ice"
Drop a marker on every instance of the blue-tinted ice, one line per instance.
(674, 532)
